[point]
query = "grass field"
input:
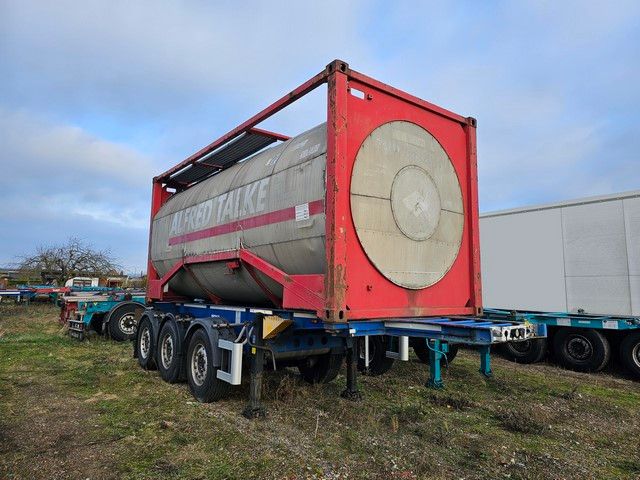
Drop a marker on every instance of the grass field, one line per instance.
(73, 409)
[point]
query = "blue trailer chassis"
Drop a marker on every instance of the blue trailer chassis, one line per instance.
(580, 341)
(563, 319)
(19, 295)
(307, 334)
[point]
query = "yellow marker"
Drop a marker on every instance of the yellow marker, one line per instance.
(272, 325)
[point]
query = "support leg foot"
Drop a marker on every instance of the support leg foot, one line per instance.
(435, 384)
(252, 412)
(354, 396)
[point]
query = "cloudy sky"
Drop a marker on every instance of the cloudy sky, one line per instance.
(98, 96)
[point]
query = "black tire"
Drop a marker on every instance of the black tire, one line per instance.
(145, 346)
(123, 322)
(422, 351)
(581, 349)
(379, 363)
(320, 368)
(529, 351)
(630, 353)
(202, 377)
(170, 365)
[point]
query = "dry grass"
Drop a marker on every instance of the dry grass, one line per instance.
(85, 410)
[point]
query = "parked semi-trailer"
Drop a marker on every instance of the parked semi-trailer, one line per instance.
(579, 258)
(341, 242)
(113, 313)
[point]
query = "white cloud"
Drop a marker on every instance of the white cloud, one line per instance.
(37, 148)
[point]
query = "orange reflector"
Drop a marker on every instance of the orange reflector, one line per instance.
(272, 325)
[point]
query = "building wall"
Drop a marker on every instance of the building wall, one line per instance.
(564, 257)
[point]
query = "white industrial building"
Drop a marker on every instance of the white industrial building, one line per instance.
(581, 255)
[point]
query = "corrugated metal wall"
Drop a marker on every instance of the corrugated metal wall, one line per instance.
(565, 257)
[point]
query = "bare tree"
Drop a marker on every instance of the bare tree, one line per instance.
(71, 259)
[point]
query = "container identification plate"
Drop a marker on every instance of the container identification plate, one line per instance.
(302, 212)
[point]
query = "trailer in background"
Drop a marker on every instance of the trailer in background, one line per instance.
(118, 282)
(115, 314)
(18, 295)
(580, 258)
(27, 293)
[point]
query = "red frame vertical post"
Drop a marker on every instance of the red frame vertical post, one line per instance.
(337, 193)
(159, 195)
(472, 153)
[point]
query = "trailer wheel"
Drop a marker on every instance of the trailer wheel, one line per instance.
(529, 351)
(630, 353)
(169, 362)
(123, 321)
(583, 350)
(145, 348)
(379, 363)
(201, 374)
(422, 351)
(320, 368)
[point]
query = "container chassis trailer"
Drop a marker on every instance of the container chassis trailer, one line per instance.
(18, 295)
(578, 341)
(115, 314)
(209, 344)
(302, 273)
(27, 293)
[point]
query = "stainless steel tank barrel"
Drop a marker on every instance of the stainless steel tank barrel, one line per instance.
(271, 203)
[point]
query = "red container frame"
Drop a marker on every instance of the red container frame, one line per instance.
(352, 288)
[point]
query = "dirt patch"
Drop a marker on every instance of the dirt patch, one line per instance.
(52, 436)
(100, 397)
(457, 402)
(533, 421)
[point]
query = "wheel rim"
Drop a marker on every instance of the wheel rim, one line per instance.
(145, 342)
(522, 347)
(579, 348)
(166, 351)
(199, 364)
(127, 324)
(635, 354)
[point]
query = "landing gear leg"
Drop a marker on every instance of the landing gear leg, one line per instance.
(351, 392)
(254, 408)
(435, 369)
(485, 361)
